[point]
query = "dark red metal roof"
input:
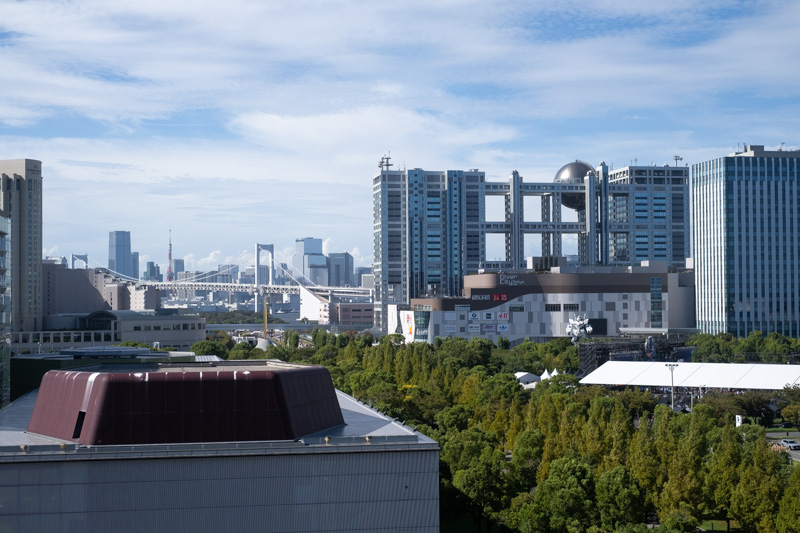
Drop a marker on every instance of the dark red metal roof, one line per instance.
(170, 405)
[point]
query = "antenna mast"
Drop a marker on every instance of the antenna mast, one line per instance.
(384, 163)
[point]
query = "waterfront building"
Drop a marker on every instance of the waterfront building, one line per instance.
(650, 299)
(21, 188)
(746, 224)
(430, 227)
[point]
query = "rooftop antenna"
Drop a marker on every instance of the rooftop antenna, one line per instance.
(677, 158)
(780, 148)
(385, 164)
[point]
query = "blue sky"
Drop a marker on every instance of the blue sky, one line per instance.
(247, 121)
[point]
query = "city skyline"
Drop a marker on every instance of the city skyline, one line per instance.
(253, 123)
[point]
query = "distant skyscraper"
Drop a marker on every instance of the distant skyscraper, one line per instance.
(119, 253)
(152, 272)
(21, 188)
(746, 210)
(340, 270)
(177, 266)
(135, 265)
(309, 261)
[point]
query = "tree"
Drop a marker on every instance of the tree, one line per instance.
(789, 510)
(723, 474)
(565, 501)
(527, 457)
(755, 501)
(484, 482)
(209, 348)
(619, 499)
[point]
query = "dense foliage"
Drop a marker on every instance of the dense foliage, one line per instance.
(562, 457)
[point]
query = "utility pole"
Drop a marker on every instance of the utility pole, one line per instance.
(671, 367)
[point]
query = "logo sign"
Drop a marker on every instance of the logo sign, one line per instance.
(450, 328)
(499, 297)
(502, 315)
(506, 279)
(488, 316)
(474, 315)
(474, 328)
(486, 297)
(488, 328)
(503, 327)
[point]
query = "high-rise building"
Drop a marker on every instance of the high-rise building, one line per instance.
(431, 226)
(746, 210)
(178, 265)
(135, 265)
(120, 260)
(340, 270)
(309, 262)
(21, 188)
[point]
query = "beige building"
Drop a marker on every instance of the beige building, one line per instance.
(21, 201)
(68, 290)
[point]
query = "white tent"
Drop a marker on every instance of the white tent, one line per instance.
(695, 375)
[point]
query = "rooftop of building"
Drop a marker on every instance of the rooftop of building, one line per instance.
(758, 150)
(363, 428)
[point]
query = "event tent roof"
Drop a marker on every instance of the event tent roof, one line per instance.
(695, 375)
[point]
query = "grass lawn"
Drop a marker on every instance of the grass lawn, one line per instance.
(719, 525)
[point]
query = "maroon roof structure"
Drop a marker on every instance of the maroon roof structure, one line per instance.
(161, 403)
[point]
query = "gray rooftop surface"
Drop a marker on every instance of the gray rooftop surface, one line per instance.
(364, 428)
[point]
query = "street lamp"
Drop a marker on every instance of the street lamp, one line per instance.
(671, 367)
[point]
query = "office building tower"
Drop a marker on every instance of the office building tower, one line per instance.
(431, 227)
(746, 210)
(21, 188)
(340, 270)
(135, 265)
(152, 272)
(120, 260)
(361, 271)
(309, 262)
(178, 265)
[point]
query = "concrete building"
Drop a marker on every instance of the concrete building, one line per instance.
(431, 227)
(341, 272)
(109, 327)
(309, 262)
(21, 196)
(746, 210)
(135, 265)
(210, 447)
(650, 298)
(67, 290)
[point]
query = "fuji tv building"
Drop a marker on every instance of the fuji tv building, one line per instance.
(216, 446)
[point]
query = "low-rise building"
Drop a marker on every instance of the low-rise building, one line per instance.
(538, 306)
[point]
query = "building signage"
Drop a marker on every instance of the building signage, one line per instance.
(450, 316)
(516, 308)
(506, 279)
(499, 297)
(488, 315)
(485, 297)
(407, 318)
(474, 328)
(474, 315)
(502, 315)
(450, 328)
(503, 327)
(488, 328)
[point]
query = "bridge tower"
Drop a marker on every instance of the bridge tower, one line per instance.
(271, 270)
(84, 258)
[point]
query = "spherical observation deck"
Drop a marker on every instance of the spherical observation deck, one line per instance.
(574, 173)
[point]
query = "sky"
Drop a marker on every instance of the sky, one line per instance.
(239, 122)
